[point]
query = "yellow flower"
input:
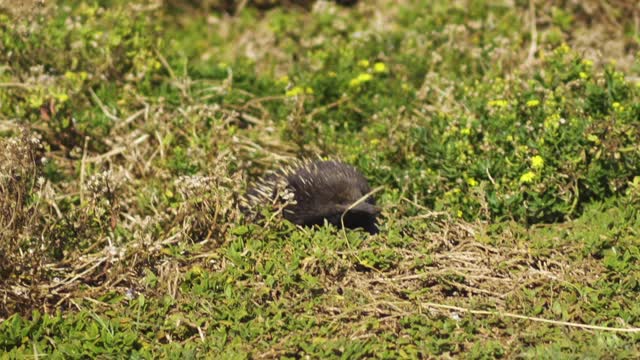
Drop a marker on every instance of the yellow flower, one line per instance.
(295, 91)
(583, 75)
(62, 97)
(563, 49)
(283, 80)
(364, 77)
(527, 177)
(363, 63)
(500, 103)
(552, 122)
(308, 90)
(379, 67)
(459, 213)
(361, 78)
(594, 139)
(537, 162)
(472, 182)
(533, 103)
(35, 101)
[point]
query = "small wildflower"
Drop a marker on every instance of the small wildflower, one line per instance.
(364, 77)
(62, 97)
(583, 75)
(283, 80)
(617, 107)
(499, 103)
(406, 87)
(533, 103)
(295, 91)
(452, 192)
(563, 49)
(363, 63)
(527, 177)
(587, 63)
(459, 213)
(472, 182)
(361, 78)
(379, 67)
(465, 131)
(537, 162)
(552, 122)
(308, 90)
(35, 101)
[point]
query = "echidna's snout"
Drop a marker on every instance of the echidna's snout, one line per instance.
(365, 208)
(363, 216)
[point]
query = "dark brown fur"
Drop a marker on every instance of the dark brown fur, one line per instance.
(323, 190)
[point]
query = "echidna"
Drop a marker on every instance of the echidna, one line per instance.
(321, 190)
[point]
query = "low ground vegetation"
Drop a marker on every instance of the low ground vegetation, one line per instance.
(506, 137)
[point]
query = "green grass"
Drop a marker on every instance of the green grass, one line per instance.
(508, 156)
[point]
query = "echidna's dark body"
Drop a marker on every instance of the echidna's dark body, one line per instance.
(322, 190)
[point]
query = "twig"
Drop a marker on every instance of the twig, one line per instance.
(344, 231)
(534, 32)
(118, 150)
(78, 276)
(530, 318)
(82, 167)
(103, 107)
(165, 64)
(15, 84)
(490, 177)
(131, 118)
(326, 107)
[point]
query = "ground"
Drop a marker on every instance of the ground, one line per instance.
(502, 138)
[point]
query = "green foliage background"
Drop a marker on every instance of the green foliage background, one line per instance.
(506, 137)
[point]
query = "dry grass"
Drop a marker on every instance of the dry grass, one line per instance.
(124, 210)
